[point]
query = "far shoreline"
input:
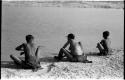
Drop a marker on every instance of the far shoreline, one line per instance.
(68, 4)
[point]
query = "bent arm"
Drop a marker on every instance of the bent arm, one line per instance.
(37, 51)
(102, 41)
(20, 48)
(66, 44)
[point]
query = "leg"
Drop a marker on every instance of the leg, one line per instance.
(19, 62)
(63, 52)
(60, 55)
(32, 65)
(99, 46)
(37, 54)
(16, 60)
(67, 53)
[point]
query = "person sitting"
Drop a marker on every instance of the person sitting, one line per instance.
(75, 52)
(31, 52)
(104, 46)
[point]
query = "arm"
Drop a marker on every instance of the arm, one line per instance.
(66, 44)
(20, 47)
(102, 41)
(81, 45)
(37, 51)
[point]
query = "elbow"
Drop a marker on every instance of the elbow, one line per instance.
(64, 47)
(17, 49)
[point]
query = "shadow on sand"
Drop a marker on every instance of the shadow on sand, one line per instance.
(9, 64)
(97, 54)
(12, 65)
(51, 59)
(93, 54)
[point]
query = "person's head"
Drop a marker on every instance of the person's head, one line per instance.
(71, 36)
(29, 38)
(105, 34)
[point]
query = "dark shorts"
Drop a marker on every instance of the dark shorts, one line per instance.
(30, 63)
(33, 62)
(79, 58)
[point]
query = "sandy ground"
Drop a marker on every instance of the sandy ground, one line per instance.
(50, 25)
(103, 67)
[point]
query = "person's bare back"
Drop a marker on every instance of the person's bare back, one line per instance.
(76, 48)
(31, 52)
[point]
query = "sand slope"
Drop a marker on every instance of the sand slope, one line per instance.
(103, 67)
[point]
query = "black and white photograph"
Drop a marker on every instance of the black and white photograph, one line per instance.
(62, 40)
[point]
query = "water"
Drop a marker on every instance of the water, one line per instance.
(50, 25)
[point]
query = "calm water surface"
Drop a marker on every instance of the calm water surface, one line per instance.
(50, 25)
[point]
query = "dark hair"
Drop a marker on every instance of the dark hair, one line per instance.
(29, 37)
(71, 36)
(106, 33)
